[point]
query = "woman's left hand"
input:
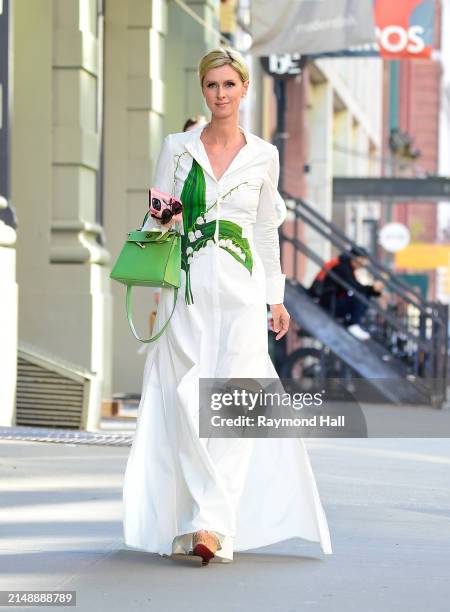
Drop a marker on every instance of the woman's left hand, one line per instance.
(280, 319)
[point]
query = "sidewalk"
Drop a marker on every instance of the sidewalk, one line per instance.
(387, 503)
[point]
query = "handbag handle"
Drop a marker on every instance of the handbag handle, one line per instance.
(147, 214)
(130, 318)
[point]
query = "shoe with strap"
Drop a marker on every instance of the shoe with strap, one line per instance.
(205, 544)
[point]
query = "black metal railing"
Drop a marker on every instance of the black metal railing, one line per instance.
(410, 329)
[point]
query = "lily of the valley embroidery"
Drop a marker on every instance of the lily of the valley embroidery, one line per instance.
(199, 233)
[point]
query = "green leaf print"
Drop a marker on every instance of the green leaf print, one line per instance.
(239, 247)
(194, 205)
(198, 232)
(193, 195)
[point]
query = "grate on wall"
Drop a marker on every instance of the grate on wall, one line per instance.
(50, 392)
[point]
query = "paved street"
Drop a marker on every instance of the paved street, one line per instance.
(387, 502)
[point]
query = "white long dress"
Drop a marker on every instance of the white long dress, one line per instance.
(250, 491)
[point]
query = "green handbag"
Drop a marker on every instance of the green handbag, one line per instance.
(149, 258)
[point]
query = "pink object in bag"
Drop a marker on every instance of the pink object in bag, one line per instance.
(164, 207)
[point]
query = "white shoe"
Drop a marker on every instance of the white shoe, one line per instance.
(358, 332)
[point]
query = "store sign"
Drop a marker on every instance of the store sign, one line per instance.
(394, 237)
(283, 66)
(405, 29)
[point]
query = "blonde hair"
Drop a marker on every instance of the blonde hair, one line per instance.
(223, 56)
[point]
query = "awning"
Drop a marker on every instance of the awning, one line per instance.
(393, 29)
(310, 26)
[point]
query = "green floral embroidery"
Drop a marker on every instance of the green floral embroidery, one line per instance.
(198, 233)
(177, 165)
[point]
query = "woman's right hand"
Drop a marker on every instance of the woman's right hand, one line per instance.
(168, 225)
(175, 219)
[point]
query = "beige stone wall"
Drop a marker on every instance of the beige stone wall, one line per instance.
(186, 42)
(8, 285)
(8, 318)
(65, 303)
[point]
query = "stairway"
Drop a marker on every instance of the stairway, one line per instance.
(419, 375)
(388, 377)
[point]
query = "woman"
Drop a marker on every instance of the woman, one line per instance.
(183, 493)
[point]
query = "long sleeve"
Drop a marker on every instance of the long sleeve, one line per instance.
(163, 177)
(266, 233)
(280, 208)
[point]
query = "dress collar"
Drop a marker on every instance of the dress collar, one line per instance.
(196, 148)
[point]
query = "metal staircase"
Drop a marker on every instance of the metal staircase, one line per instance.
(406, 357)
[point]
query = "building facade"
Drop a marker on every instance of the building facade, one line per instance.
(88, 90)
(414, 106)
(333, 127)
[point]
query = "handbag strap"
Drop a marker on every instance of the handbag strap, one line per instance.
(130, 318)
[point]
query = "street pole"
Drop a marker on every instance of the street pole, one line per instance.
(279, 87)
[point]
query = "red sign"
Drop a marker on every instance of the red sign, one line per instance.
(404, 28)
